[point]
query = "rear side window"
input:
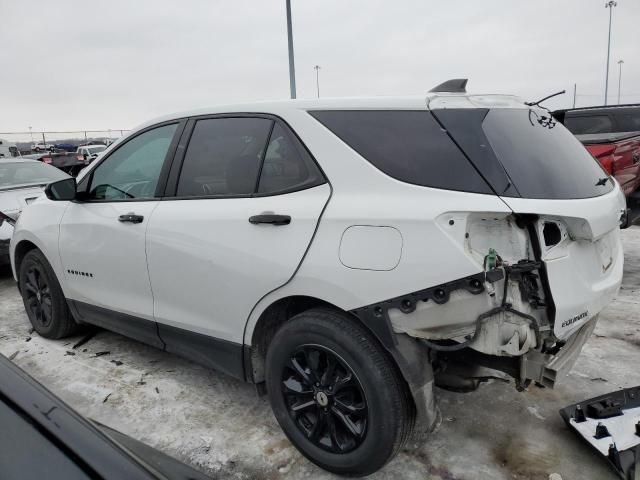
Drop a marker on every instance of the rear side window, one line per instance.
(583, 124)
(224, 156)
(407, 145)
(287, 165)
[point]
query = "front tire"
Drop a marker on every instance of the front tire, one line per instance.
(43, 299)
(336, 393)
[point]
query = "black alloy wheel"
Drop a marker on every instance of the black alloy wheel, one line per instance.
(337, 394)
(325, 399)
(43, 298)
(37, 296)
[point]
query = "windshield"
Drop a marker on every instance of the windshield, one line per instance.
(28, 173)
(96, 148)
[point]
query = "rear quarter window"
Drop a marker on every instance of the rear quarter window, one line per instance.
(409, 146)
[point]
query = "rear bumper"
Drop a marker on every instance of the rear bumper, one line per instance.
(545, 368)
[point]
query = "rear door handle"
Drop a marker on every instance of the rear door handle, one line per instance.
(131, 218)
(271, 219)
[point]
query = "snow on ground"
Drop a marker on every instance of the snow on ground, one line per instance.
(221, 426)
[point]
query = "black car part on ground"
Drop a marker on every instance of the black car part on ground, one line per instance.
(83, 444)
(610, 424)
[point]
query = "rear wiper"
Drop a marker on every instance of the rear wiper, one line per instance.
(532, 104)
(602, 181)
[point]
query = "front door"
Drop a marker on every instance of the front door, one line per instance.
(102, 237)
(246, 205)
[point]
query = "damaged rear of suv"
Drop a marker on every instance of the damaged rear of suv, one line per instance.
(344, 255)
(513, 245)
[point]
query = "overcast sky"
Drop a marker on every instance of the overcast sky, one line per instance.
(70, 65)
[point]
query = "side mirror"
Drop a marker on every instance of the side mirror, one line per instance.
(61, 190)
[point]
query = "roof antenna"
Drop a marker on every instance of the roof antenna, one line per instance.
(531, 104)
(455, 85)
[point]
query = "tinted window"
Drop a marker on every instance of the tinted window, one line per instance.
(287, 165)
(224, 156)
(133, 170)
(407, 145)
(543, 159)
(28, 173)
(581, 124)
(20, 441)
(629, 122)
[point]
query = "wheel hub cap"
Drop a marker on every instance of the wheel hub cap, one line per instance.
(322, 399)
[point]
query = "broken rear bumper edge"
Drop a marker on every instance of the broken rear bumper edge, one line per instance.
(546, 368)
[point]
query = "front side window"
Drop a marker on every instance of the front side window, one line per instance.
(133, 170)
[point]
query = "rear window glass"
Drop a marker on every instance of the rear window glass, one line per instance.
(583, 124)
(28, 173)
(542, 158)
(407, 145)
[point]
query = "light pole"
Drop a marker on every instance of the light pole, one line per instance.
(610, 4)
(620, 62)
(31, 134)
(292, 67)
(317, 69)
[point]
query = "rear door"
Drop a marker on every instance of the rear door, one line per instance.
(245, 197)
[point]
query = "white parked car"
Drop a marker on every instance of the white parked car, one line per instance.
(90, 152)
(331, 251)
(41, 147)
(21, 183)
(8, 149)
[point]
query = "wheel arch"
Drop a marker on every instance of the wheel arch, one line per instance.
(21, 249)
(408, 355)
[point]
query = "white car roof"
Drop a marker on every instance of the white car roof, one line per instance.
(433, 100)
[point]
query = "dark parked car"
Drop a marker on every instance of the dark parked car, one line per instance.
(612, 135)
(68, 162)
(67, 147)
(44, 438)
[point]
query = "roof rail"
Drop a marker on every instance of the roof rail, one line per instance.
(455, 85)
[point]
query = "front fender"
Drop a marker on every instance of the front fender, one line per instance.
(39, 224)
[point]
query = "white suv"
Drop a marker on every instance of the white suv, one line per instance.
(334, 251)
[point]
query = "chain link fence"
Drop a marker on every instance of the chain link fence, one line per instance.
(37, 141)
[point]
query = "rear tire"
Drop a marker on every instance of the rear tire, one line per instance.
(43, 299)
(336, 393)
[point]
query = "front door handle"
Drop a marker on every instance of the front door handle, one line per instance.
(131, 218)
(270, 218)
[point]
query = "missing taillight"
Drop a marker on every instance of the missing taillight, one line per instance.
(551, 233)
